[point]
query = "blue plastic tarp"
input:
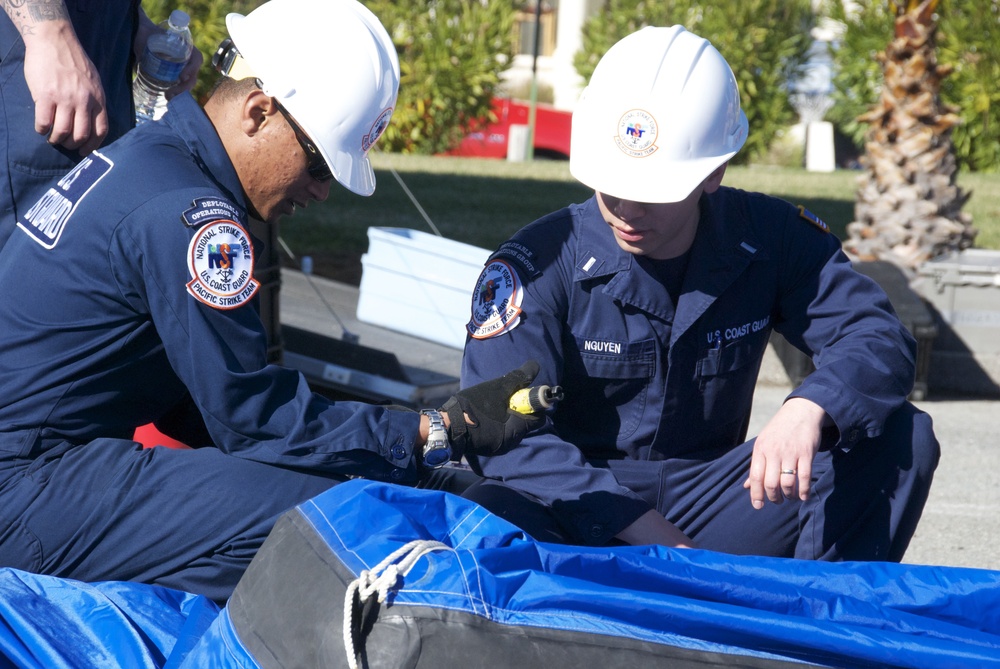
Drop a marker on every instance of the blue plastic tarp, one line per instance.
(49, 623)
(842, 614)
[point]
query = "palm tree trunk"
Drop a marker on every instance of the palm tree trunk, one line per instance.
(909, 208)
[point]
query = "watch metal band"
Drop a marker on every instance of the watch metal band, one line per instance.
(437, 450)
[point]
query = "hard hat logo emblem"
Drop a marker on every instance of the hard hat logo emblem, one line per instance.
(637, 132)
(377, 129)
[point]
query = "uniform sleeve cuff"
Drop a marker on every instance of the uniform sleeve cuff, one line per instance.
(596, 518)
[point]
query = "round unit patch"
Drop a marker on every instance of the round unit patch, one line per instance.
(220, 259)
(637, 133)
(496, 302)
(378, 127)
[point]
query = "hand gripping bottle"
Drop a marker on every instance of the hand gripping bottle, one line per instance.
(162, 62)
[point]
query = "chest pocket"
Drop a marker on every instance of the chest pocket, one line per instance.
(726, 377)
(607, 394)
(726, 359)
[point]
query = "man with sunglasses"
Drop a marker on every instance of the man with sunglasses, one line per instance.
(130, 298)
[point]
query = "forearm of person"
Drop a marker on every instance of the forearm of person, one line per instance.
(64, 83)
(652, 528)
(866, 381)
(30, 16)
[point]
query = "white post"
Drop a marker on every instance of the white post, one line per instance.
(518, 136)
(566, 83)
(819, 147)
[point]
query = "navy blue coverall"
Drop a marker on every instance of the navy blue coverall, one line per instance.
(106, 30)
(129, 298)
(658, 396)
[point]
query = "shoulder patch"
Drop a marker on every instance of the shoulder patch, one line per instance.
(496, 301)
(207, 209)
(220, 259)
(47, 218)
(813, 218)
(520, 255)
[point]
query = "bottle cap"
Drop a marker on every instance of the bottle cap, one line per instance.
(179, 18)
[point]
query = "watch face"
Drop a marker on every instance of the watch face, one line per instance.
(437, 456)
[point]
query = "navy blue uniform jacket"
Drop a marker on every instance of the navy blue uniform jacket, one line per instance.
(646, 381)
(105, 326)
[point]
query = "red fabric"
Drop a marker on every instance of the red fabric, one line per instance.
(149, 436)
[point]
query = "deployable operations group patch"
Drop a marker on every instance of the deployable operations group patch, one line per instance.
(220, 259)
(496, 301)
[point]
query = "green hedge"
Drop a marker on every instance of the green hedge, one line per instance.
(451, 54)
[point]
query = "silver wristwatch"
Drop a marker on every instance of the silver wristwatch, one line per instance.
(437, 450)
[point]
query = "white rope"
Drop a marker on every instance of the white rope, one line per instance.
(409, 194)
(413, 199)
(380, 580)
(346, 334)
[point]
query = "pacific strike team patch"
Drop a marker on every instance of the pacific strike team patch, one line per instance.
(220, 259)
(496, 301)
(813, 218)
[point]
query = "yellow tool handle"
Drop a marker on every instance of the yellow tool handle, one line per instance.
(535, 399)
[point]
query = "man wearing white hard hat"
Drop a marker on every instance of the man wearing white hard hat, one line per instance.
(652, 303)
(130, 298)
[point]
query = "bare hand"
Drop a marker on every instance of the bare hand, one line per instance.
(783, 453)
(70, 107)
(189, 75)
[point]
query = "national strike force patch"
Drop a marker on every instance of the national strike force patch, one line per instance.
(220, 259)
(496, 301)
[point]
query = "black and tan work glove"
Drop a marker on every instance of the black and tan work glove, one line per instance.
(492, 425)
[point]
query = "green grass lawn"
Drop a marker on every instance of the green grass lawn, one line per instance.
(482, 202)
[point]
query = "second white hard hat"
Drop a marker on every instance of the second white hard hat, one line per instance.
(660, 114)
(333, 66)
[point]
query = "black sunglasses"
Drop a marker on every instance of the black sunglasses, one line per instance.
(316, 165)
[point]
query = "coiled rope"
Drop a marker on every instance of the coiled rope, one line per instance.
(379, 581)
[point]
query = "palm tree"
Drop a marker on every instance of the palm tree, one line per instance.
(908, 207)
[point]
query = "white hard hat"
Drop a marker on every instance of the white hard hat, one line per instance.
(661, 113)
(332, 65)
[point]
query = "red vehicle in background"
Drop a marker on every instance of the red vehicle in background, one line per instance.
(552, 131)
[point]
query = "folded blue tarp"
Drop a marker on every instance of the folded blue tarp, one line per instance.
(463, 588)
(481, 593)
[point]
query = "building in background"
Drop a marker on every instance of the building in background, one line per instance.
(559, 24)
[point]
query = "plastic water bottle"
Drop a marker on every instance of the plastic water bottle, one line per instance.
(163, 61)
